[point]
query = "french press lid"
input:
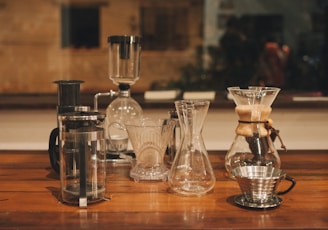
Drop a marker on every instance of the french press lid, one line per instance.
(82, 116)
(84, 120)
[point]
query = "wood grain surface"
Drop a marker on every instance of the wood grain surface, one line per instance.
(29, 191)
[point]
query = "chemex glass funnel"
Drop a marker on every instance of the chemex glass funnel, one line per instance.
(254, 95)
(253, 144)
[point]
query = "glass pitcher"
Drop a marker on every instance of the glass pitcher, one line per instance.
(253, 143)
(191, 172)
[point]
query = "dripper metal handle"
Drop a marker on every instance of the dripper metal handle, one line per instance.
(293, 183)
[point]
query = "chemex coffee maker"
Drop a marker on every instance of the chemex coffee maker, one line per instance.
(252, 159)
(253, 143)
(80, 156)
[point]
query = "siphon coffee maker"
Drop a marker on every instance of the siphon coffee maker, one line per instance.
(124, 71)
(253, 143)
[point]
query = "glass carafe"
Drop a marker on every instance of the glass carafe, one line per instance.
(191, 172)
(253, 144)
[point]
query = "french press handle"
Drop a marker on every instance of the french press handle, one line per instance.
(53, 150)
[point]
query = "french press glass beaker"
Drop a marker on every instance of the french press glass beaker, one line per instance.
(82, 157)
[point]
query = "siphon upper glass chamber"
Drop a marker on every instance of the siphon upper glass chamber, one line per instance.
(124, 59)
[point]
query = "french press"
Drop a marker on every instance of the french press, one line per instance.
(82, 157)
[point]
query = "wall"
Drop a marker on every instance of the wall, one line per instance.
(299, 128)
(31, 57)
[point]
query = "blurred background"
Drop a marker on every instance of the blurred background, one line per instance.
(187, 44)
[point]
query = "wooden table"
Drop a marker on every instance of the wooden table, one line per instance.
(29, 189)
